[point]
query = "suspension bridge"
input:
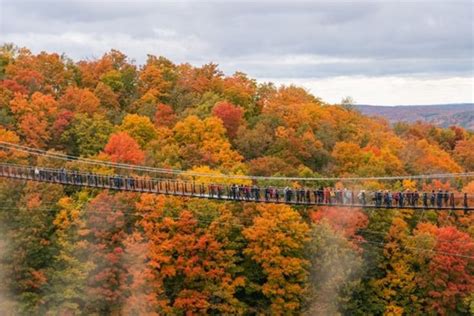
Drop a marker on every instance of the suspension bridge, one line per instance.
(172, 185)
(191, 189)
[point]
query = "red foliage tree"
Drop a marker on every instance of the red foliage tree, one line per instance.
(231, 116)
(106, 230)
(450, 274)
(62, 121)
(14, 86)
(345, 220)
(164, 115)
(123, 148)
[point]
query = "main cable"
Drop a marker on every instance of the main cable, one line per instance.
(40, 152)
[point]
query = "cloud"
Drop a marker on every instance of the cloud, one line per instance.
(92, 45)
(389, 90)
(266, 39)
(310, 66)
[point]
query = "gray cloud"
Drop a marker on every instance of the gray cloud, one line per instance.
(268, 39)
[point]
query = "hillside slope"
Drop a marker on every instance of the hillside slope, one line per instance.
(75, 251)
(442, 115)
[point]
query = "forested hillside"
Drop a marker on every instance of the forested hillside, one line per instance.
(442, 115)
(70, 251)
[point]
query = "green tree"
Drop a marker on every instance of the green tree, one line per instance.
(335, 270)
(29, 252)
(67, 277)
(86, 136)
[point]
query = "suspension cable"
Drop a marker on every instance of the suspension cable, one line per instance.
(40, 152)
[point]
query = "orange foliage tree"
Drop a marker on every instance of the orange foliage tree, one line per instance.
(10, 137)
(423, 157)
(152, 80)
(186, 265)
(108, 98)
(464, 153)
(35, 117)
(47, 73)
(79, 101)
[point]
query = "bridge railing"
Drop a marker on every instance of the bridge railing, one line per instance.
(346, 198)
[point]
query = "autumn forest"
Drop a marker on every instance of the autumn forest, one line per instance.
(66, 250)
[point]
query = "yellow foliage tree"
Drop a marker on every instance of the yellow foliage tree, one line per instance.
(276, 242)
(211, 179)
(203, 142)
(140, 128)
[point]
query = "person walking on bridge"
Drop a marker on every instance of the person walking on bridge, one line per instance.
(327, 196)
(362, 198)
(346, 196)
(439, 199)
(388, 199)
(240, 192)
(332, 196)
(409, 197)
(339, 196)
(316, 195)
(416, 197)
(302, 195)
(233, 191)
(446, 198)
(219, 191)
(425, 199)
(257, 193)
(247, 192)
(267, 193)
(288, 194)
(451, 200)
(401, 199)
(395, 197)
(320, 195)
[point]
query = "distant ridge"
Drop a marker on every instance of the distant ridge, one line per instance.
(443, 115)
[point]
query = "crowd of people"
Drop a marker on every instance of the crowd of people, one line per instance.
(321, 195)
(336, 196)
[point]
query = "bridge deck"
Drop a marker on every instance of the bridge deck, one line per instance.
(188, 189)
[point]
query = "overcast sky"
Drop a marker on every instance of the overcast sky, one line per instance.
(378, 52)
